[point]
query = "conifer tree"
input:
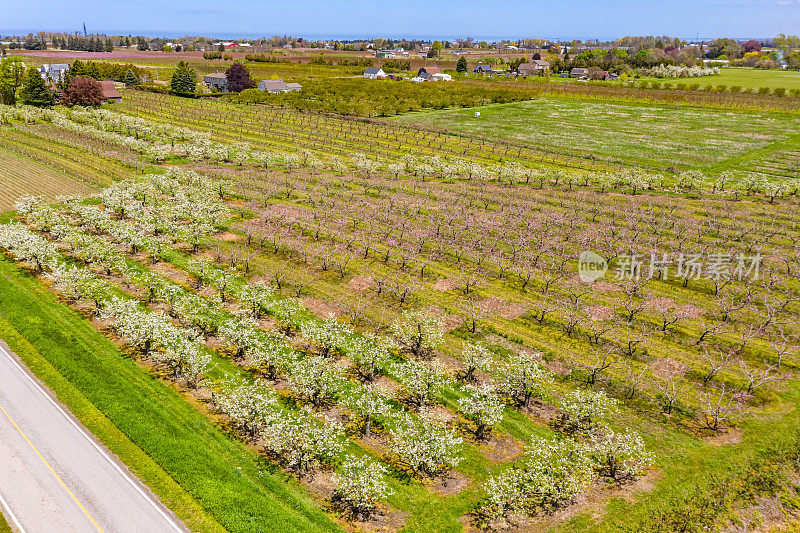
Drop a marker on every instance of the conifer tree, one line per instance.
(35, 92)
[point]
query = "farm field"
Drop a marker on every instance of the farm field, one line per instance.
(286, 130)
(748, 78)
(356, 301)
(146, 423)
(21, 176)
(656, 136)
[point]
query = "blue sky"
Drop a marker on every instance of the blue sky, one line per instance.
(565, 19)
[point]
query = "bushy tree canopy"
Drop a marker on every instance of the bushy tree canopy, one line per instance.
(84, 91)
(12, 74)
(239, 78)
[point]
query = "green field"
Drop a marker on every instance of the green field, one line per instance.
(162, 437)
(748, 78)
(347, 229)
(652, 135)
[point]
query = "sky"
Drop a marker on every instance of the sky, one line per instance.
(442, 19)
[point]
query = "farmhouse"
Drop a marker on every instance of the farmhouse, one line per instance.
(374, 73)
(384, 54)
(218, 81)
(483, 69)
(430, 71)
(579, 73)
(54, 72)
(278, 86)
(110, 92)
(534, 68)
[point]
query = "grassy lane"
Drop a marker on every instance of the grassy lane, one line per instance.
(212, 481)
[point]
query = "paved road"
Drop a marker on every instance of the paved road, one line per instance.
(55, 476)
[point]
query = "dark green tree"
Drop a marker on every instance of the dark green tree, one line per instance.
(461, 65)
(35, 92)
(184, 80)
(78, 69)
(131, 78)
(92, 70)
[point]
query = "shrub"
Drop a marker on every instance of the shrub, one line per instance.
(779, 91)
(764, 90)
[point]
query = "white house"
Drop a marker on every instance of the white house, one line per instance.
(374, 73)
(54, 72)
(217, 80)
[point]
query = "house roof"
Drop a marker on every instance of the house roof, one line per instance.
(485, 68)
(109, 91)
(373, 70)
(272, 85)
(579, 69)
(216, 75)
(534, 65)
(432, 70)
(293, 86)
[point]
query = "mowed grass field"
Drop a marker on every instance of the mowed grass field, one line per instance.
(658, 136)
(748, 78)
(20, 176)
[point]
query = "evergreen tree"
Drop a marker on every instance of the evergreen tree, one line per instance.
(131, 78)
(461, 66)
(35, 92)
(92, 70)
(184, 80)
(78, 69)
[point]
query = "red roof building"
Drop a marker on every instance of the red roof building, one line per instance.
(110, 93)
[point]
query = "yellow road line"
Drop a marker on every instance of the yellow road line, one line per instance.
(51, 470)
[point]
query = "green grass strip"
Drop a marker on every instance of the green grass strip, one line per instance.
(211, 480)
